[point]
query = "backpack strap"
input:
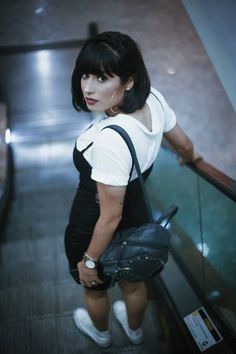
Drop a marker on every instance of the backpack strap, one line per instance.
(130, 145)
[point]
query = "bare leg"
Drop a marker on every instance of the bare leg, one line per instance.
(98, 307)
(135, 297)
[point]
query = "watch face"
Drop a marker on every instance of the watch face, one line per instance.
(89, 264)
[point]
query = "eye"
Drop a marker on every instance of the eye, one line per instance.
(101, 78)
(85, 76)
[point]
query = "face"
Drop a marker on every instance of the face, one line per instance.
(102, 92)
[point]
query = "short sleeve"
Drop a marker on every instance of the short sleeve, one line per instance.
(170, 119)
(169, 114)
(111, 159)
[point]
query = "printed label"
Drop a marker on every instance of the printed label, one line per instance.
(202, 329)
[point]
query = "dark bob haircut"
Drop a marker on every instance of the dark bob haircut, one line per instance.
(112, 53)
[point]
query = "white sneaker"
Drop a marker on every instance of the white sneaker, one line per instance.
(119, 308)
(85, 325)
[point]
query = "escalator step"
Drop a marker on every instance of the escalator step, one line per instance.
(56, 333)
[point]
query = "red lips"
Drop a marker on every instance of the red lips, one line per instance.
(90, 101)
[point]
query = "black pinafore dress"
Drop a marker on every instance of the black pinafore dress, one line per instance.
(85, 213)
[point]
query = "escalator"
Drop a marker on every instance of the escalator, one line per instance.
(36, 292)
(199, 278)
(37, 296)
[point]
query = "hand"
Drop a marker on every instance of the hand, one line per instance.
(88, 277)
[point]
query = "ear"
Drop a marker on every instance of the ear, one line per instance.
(129, 84)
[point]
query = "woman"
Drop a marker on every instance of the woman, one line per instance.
(110, 79)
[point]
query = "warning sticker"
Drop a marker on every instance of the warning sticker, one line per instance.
(202, 329)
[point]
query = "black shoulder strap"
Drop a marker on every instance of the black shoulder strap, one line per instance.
(130, 145)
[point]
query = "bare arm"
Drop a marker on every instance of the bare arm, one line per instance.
(111, 206)
(111, 201)
(182, 145)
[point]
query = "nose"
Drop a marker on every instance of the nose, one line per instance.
(89, 86)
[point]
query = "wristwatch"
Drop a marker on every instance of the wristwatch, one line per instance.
(89, 262)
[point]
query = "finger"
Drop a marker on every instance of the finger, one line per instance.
(86, 284)
(94, 282)
(91, 284)
(98, 281)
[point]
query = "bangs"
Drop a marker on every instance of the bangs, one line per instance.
(98, 59)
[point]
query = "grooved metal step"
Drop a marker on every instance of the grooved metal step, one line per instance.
(57, 334)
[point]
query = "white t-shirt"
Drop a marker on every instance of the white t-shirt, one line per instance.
(109, 156)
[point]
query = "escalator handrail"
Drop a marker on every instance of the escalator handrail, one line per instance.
(211, 174)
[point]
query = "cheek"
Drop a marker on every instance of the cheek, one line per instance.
(82, 85)
(113, 94)
(110, 87)
(108, 91)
